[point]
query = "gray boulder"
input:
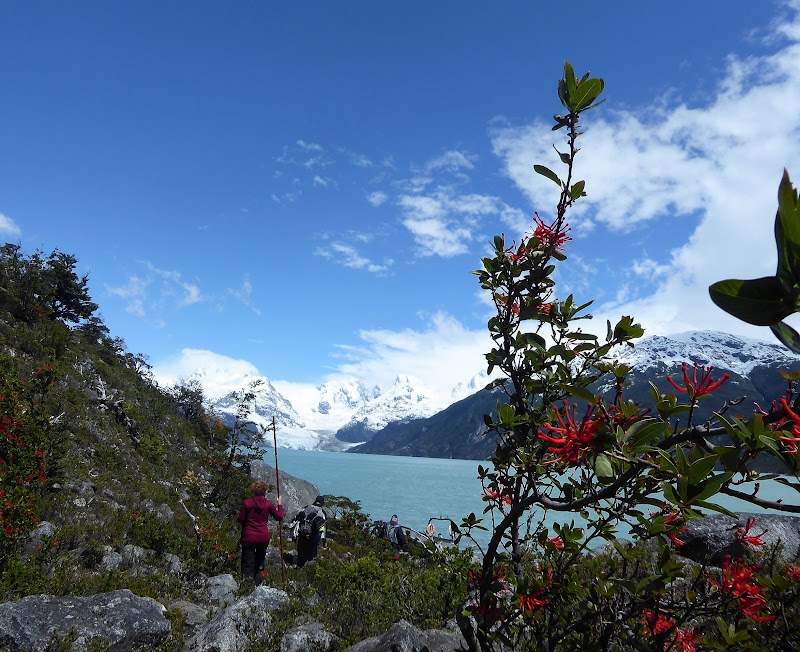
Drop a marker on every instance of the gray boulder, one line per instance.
(119, 619)
(404, 637)
(296, 493)
(194, 616)
(221, 590)
(305, 638)
(245, 622)
(709, 540)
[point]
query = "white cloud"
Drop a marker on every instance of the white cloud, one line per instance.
(193, 294)
(244, 295)
(711, 171)
(144, 295)
(218, 374)
(309, 147)
(441, 355)
(444, 224)
(377, 198)
(135, 291)
(174, 279)
(451, 161)
(8, 227)
(323, 182)
(348, 256)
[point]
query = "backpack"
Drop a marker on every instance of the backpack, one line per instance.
(307, 518)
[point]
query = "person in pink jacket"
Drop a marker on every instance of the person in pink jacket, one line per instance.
(254, 517)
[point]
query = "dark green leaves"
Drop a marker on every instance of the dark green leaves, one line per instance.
(547, 172)
(761, 301)
(769, 300)
(578, 95)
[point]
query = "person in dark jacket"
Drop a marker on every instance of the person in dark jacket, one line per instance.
(310, 536)
(396, 535)
(254, 517)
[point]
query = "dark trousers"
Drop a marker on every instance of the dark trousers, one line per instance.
(252, 559)
(307, 548)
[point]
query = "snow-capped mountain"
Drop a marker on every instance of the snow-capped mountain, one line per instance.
(340, 413)
(706, 348)
(406, 399)
(334, 403)
(753, 367)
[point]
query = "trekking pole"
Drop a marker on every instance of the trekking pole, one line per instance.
(278, 490)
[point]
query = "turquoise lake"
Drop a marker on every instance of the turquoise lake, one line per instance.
(418, 488)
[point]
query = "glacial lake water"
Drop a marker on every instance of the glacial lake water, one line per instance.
(418, 488)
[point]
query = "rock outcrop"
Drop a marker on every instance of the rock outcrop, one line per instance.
(404, 637)
(711, 539)
(247, 621)
(119, 619)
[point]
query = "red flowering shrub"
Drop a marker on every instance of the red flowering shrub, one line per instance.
(23, 445)
(567, 452)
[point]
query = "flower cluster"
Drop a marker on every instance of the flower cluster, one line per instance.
(791, 423)
(576, 440)
(498, 496)
(551, 235)
(696, 387)
(743, 534)
(735, 582)
(657, 624)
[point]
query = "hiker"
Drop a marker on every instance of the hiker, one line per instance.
(310, 524)
(254, 517)
(397, 536)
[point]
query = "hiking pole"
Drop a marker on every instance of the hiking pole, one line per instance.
(278, 490)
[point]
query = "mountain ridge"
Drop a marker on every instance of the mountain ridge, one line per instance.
(347, 415)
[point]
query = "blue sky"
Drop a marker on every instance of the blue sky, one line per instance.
(300, 189)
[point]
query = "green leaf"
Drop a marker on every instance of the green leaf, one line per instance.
(547, 172)
(666, 462)
(769, 442)
(603, 468)
(762, 301)
(646, 431)
(579, 392)
(536, 340)
(701, 468)
(787, 335)
(711, 487)
(586, 93)
(713, 507)
(577, 189)
(787, 232)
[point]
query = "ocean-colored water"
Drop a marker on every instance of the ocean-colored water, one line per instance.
(418, 488)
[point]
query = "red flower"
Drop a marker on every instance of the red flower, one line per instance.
(549, 236)
(578, 438)
(789, 442)
(734, 583)
(515, 256)
(557, 542)
(497, 496)
(694, 387)
(793, 572)
(532, 601)
(675, 519)
(743, 534)
(680, 639)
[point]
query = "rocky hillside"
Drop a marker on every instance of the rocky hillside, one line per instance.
(119, 504)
